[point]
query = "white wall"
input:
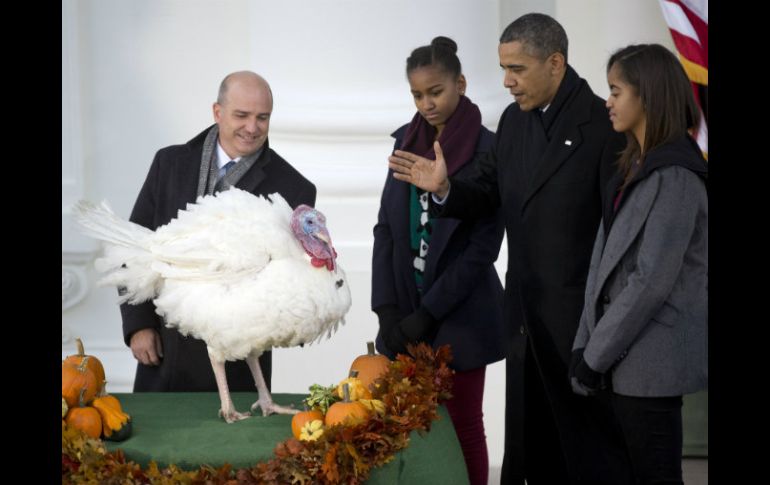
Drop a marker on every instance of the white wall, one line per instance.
(139, 75)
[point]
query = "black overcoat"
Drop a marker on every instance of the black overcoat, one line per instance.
(461, 288)
(552, 207)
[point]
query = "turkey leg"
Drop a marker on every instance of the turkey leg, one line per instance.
(227, 410)
(265, 399)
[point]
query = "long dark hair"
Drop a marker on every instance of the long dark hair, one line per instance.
(666, 95)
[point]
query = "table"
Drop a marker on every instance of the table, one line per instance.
(184, 429)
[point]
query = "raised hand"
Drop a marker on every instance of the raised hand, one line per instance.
(430, 175)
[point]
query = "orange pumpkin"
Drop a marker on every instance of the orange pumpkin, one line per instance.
(370, 366)
(299, 420)
(346, 412)
(85, 418)
(94, 365)
(76, 378)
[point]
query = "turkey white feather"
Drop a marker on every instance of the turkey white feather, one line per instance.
(241, 272)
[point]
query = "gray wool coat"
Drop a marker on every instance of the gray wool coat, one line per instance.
(644, 323)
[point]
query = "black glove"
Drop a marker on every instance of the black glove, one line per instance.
(577, 355)
(577, 386)
(419, 326)
(396, 340)
(389, 316)
(586, 376)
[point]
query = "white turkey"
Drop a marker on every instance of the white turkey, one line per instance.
(242, 273)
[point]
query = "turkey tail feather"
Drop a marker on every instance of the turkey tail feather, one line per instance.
(127, 260)
(99, 222)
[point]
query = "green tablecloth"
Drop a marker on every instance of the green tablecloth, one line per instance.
(184, 429)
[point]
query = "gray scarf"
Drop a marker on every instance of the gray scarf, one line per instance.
(207, 178)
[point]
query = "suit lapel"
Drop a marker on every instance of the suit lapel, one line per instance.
(188, 177)
(564, 142)
(628, 222)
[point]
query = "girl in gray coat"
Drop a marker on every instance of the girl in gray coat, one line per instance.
(642, 340)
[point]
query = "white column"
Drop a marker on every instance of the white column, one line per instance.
(76, 250)
(338, 75)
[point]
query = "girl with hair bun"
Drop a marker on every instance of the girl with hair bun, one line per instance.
(433, 280)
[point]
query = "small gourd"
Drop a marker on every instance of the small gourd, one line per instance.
(357, 388)
(312, 430)
(374, 406)
(120, 434)
(321, 397)
(301, 418)
(116, 425)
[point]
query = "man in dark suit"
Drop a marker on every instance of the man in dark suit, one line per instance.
(553, 154)
(233, 152)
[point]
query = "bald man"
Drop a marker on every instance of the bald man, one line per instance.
(232, 152)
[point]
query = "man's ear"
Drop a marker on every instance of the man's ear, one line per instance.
(556, 62)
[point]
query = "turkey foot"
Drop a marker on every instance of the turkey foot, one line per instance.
(232, 415)
(265, 400)
(269, 407)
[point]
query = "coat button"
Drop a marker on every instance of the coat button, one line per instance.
(606, 300)
(522, 331)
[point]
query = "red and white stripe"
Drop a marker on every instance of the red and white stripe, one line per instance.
(688, 22)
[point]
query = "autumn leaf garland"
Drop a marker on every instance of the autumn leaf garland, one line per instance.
(410, 391)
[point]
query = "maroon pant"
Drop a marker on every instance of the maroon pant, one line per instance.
(467, 417)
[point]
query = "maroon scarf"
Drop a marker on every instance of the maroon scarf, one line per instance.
(458, 139)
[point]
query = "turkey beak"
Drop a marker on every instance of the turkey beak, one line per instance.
(323, 236)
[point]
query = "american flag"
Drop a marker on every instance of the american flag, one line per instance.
(688, 22)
